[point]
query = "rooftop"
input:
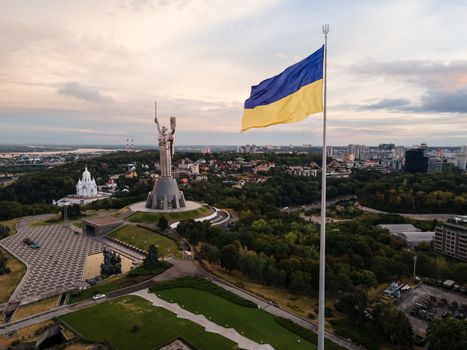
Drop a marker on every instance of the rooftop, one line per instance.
(103, 220)
(399, 228)
(416, 236)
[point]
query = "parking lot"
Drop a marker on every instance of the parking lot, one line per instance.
(426, 302)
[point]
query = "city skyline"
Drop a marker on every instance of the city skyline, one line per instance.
(88, 73)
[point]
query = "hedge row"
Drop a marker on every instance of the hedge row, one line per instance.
(162, 265)
(202, 284)
(305, 333)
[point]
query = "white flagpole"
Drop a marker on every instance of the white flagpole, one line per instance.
(322, 245)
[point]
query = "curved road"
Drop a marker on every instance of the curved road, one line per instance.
(180, 268)
(427, 217)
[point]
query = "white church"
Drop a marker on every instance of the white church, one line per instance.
(86, 187)
(86, 192)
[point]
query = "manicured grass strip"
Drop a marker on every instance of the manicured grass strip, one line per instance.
(253, 323)
(171, 217)
(134, 276)
(202, 284)
(9, 281)
(114, 321)
(307, 334)
(142, 238)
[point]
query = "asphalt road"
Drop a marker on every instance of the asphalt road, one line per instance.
(427, 217)
(315, 205)
(180, 268)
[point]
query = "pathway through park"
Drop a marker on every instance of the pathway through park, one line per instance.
(229, 333)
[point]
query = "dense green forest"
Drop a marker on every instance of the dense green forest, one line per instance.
(446, 192)
(417, 193)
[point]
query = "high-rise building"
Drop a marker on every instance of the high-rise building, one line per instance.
(451, 238)
(416, 161)
(357, 151)
(461, 162)
(435, 165)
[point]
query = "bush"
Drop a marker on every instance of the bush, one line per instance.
(360, 334)
(202, 284)
(163, 223)
(156, 270)
(305, 333)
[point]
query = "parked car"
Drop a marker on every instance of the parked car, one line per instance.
(98, 296)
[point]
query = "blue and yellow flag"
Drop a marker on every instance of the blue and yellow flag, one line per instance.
(288, 97)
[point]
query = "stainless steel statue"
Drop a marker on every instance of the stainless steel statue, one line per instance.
(165, 194)
(166, 146)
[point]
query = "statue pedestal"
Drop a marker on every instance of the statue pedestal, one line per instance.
(165, 195)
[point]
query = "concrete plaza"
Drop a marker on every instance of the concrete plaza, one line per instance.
(57, 266)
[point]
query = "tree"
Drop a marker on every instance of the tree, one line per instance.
(152, 258)
(447, 333)
(459, 272)
(229, 257)
(112, 264)
(210, 253)
(353, 304)
(163, 223)
(10, 210)
(395, 325)
(300, 282)
(73, 211)
(4, 231)
(4, 269)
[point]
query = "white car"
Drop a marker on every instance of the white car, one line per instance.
(98, 296)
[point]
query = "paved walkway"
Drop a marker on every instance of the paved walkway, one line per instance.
(135, 256)
(56, 266)
(229, 333)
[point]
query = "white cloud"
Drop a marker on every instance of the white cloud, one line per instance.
(199, 59)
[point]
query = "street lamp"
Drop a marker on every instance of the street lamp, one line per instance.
(414, 266)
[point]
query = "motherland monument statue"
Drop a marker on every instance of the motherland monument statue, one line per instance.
(165, 194)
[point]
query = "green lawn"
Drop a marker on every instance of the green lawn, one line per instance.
(255, 324)
(113, 321)
(172, 217)
(142, 238)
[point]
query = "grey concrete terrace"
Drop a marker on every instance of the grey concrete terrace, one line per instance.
(57, 266)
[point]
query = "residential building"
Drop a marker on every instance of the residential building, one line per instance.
(416, 161)
(451, 238)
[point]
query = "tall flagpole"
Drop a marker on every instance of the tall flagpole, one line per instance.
(322, 244)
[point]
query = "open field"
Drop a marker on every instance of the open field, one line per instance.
(142, 238)
(34, 308)
(117, 282)
(114, 321)
(253, 323)
(9, 281)
(171, 217)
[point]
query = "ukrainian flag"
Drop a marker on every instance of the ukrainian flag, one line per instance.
(288, 97)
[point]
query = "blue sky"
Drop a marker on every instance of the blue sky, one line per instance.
(88, 72)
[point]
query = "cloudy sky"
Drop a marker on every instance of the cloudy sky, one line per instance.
(88, 71)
